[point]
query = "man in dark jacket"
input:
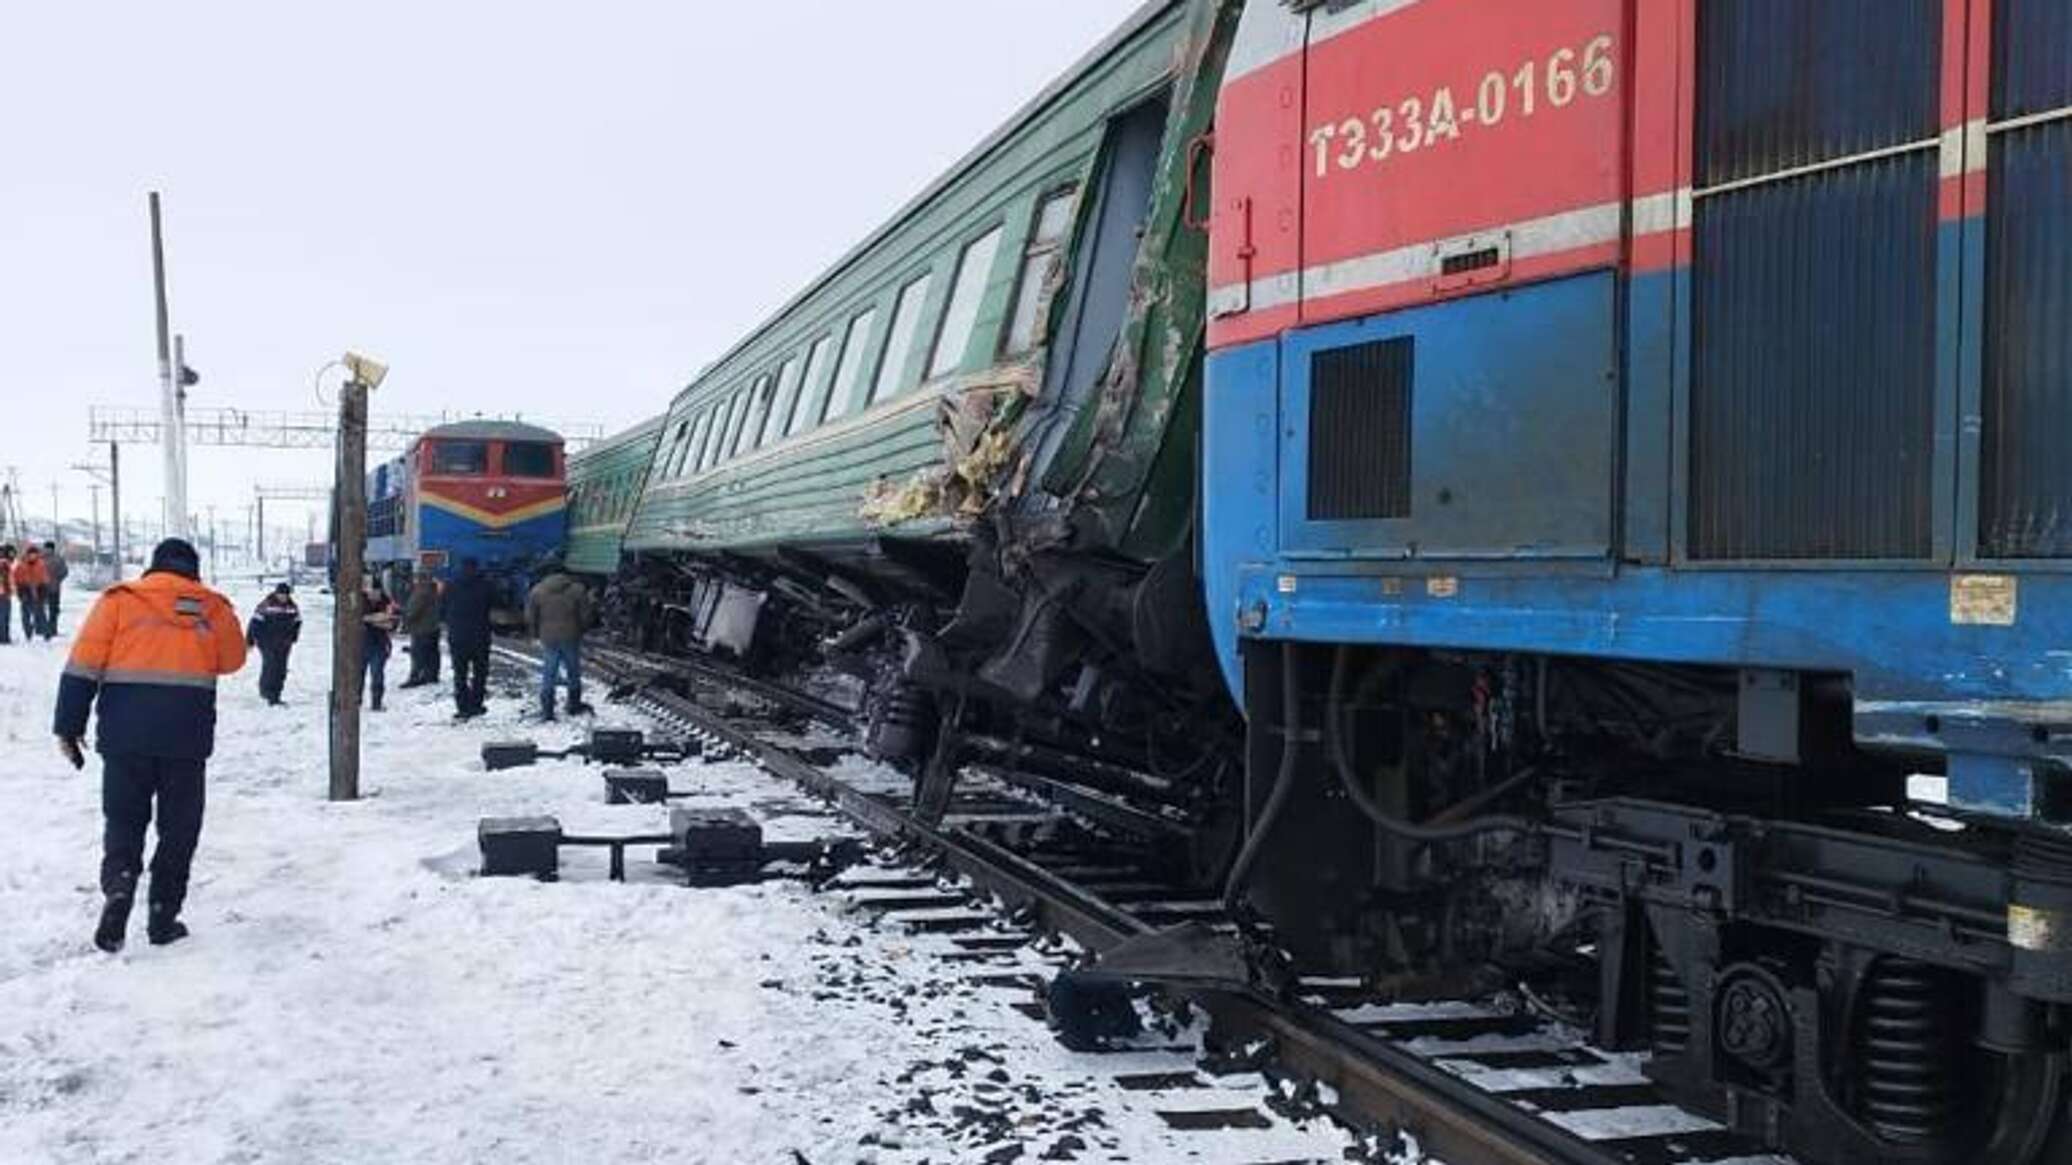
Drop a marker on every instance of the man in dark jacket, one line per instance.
(276, 625)
(148, 656)
(465, 611)
(559, 612)
(59, 571)
(421, 624)
(7, 593)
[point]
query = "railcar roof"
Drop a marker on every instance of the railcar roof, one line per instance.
(618, 441)
(1138, 21)
(493, 431)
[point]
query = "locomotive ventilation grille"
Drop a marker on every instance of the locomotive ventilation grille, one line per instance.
(1814, 311)
(1359, 431)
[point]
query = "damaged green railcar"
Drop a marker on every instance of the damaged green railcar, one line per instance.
(958, 469)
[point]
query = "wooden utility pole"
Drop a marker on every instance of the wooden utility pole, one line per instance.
(347, 631)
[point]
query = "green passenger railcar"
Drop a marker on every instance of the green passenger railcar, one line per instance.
(959, 465)
(604, 485)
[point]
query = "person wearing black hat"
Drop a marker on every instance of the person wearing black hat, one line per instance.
(276, 625)
(146, 661)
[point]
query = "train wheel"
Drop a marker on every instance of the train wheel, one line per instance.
(2034, 1112)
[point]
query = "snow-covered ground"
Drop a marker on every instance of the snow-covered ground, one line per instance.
(353, 992)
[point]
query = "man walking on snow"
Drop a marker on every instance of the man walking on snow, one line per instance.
(149, 655)
(558, 612)
(276, 625)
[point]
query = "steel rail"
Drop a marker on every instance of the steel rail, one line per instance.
(1378, 1083)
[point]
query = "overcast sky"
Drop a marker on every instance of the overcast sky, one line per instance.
(557, 209)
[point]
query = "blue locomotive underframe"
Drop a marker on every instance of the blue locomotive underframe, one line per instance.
(1540, 507)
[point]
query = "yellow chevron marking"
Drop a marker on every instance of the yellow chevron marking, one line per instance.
(537, 509)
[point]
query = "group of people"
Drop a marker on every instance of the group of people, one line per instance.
(146, 662)
(33, 580)
(559, 612)
(459, 610)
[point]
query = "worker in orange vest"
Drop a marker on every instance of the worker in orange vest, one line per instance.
(148, 656)
(31, 582)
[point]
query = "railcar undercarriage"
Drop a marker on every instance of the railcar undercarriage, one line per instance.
(1090, 671)
(1811, 957)
(1696, 862)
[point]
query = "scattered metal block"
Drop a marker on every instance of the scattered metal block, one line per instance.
(635, 787)
(498, 755)
(717, 847)
(617, 746)
(514, 847)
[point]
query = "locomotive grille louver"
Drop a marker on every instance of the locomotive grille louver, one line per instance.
(1359, 431)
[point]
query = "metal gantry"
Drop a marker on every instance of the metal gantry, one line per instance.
(278, 429)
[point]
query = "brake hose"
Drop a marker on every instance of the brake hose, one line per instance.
(1283, 783)
(1334, 742)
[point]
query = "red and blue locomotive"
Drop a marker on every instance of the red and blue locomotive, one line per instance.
(493, 491)
(1638, 433)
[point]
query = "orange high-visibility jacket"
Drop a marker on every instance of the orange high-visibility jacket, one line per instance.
(29, 571)
(149, 654)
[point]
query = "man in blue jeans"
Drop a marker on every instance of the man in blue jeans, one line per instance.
(559, 612)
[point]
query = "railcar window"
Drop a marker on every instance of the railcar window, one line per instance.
(739, 408)
(460, 458)
(786, 402)
(723, 416)
(1039, 266)
(841, 399)
(528, 459)
(816, 372)
(899, 346)
(960, 318)
(758, 414)
(689, 465)
(672, 452)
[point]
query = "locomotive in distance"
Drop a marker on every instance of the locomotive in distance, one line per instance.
(489, 490)
(1629, 537)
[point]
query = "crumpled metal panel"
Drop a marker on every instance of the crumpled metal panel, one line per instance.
(2026, 448)
(1812, 368)
(1785, 83)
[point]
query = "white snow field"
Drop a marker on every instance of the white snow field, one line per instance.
(353, 992)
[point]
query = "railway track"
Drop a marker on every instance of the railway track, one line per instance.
(1474, 1082)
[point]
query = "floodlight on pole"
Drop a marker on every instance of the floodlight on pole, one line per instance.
(368, 371)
